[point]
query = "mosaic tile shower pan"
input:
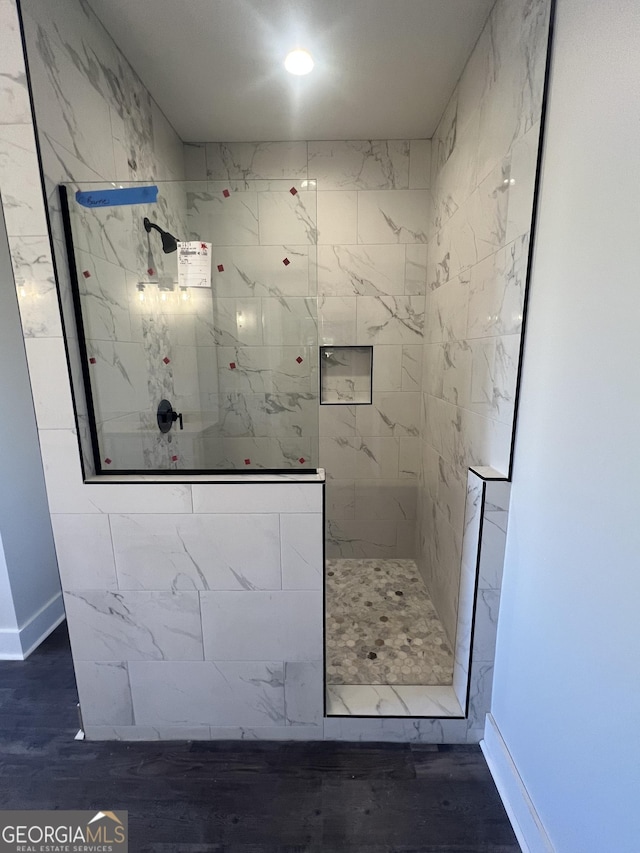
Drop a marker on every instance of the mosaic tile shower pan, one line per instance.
(382, 627)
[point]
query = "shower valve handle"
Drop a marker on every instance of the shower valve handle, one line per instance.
(173, 417)
(167, 416)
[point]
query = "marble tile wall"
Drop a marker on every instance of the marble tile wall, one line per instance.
(482, 180)
(261, 340)
(133, 632)
(97, 123)
(373, 211)
(191, 620)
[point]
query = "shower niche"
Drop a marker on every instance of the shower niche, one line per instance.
(346, 376)
(235, 354)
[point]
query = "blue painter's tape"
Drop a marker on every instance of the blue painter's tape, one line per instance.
(117, 197)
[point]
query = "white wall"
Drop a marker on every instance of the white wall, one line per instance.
(31, 602)
(8, 623)
(566, 694)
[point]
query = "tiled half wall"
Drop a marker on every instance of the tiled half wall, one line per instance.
(202, 614)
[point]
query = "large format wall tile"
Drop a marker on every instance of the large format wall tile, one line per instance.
(14, 95)
(67, 493)
(85, 552)
(21, 193)
(134, 625)
(395, 216)
(264, 498)
(303, 689)
(52, 403)
(419, 164)
(337, 320)
(104, 692)
(35, 281)
(233, 220)
(390, 319)
(337, 217)
(287, 218)
(220, 693)
(259, 271)
(250, 161)
(350, 270)
(361, 164)
(415, 271)
(385, 499)
(285, 625)
(197, 551)
(356, 538)
(496, 292)
(483, 174)
(340, 500)
(301, 543)
(391, 413)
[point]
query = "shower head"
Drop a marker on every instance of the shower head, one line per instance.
(169, 242)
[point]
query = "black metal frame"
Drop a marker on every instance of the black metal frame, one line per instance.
(84, 356)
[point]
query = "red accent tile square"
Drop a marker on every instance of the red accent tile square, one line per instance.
(92, 360)
(86, 273)
(247, 462)
(226, 193)
(220, 268)
(286, 262)
(150, 271)
(232, 365)
(107, 461)
(293, 191)
(299, 359)
(166, 360)
(174, 458)
(302, 460)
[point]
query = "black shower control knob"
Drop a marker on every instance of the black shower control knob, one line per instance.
(166, 416)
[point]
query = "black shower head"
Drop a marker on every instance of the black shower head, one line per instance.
(169, 242)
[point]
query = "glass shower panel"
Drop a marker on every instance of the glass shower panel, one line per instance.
(264, 326)
(237, 361)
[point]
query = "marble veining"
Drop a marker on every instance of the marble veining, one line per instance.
(390, 319)
(482, 179)
(392, 701)
(134, 625)
(382, 627)
(250, 161)
(360, 164)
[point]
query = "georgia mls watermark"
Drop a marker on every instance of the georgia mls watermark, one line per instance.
(49, 831)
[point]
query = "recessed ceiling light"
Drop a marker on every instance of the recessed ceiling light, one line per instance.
(298, 62)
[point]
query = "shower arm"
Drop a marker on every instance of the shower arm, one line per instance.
(169, 242)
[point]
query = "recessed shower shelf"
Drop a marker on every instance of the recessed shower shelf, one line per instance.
(346, 375)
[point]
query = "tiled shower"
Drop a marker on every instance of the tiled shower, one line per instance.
(373, 204)
(399, 224)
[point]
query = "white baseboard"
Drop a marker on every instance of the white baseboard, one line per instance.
(520, 809)
(18, 643)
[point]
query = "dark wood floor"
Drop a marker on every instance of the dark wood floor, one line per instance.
(241, 797)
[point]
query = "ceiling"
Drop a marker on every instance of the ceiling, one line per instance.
(384, 69)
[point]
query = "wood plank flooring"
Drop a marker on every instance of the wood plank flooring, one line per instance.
(230, 797)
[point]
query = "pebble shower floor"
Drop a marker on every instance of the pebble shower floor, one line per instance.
(382, 627)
